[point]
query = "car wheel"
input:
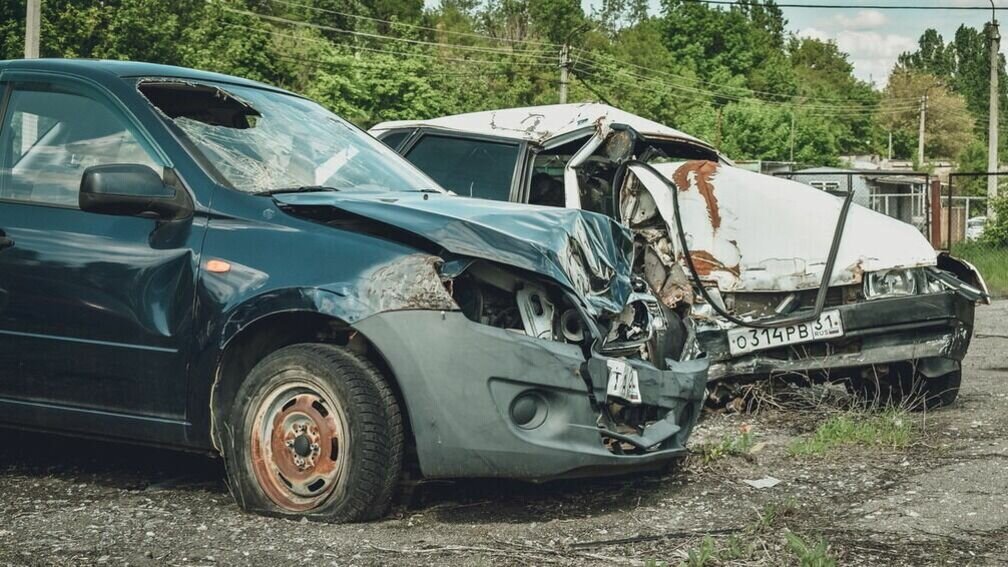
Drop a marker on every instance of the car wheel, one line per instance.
(900, 385)
(317, 432)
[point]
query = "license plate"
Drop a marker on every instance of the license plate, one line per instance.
(623, 382)
(744, 340)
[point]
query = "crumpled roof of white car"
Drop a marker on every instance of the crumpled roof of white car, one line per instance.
(541, 123)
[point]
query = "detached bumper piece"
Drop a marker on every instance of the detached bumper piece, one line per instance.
(487, 402)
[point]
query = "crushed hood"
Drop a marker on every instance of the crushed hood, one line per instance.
(754, 232)
(586, 253)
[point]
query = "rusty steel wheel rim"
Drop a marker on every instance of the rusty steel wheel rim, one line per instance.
(300, 444)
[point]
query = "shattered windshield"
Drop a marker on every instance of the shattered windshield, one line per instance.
(263, 141)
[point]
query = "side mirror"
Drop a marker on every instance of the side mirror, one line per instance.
(130, 190)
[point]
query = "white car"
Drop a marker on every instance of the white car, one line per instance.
(975, 228)
(743, 254)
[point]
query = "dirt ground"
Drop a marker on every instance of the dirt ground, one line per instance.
(942, 500)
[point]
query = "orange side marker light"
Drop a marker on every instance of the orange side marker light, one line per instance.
(218, 266)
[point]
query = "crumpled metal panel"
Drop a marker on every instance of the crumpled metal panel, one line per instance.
(752, 232)
(587, 253)
(541, 124)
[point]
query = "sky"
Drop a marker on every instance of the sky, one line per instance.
(875, 38)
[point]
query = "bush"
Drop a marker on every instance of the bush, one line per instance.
(996, 231)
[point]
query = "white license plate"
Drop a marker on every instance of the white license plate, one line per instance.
(623, 383)
(744, 340)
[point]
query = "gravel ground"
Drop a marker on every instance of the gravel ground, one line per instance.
(943, 500)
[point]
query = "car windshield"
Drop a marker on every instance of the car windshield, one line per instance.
(262, 141)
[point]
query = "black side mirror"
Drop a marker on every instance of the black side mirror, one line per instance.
(130, 190)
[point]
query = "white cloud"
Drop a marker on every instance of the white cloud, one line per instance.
(862, 20)
(872, 53)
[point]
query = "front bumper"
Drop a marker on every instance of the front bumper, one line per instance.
(460, 379)
(934, 329)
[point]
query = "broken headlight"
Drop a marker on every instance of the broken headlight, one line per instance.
(892, 283)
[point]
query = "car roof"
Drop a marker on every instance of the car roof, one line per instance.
(541, 124)
(107, 69)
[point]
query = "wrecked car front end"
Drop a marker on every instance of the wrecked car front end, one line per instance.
(542, 357)
(519, 342)
(765, 249)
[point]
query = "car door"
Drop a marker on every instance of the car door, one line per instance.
(95, 310)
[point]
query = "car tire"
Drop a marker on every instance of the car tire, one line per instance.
(315, 431)
(900, 385)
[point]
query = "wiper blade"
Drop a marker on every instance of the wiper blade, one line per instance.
(300, 189)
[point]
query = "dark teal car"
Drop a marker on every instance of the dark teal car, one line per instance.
(202, 262)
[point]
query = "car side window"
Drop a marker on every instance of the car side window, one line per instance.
(51, 135)
(394, 139)
(473, 168)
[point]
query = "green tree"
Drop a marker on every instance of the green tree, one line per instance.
(949, 126)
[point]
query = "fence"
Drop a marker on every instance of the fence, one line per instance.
(965, 199)
(901, 195)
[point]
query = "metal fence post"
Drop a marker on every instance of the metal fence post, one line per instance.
(936, 232)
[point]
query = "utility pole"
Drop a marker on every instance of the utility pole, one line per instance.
(890, 145)
(564, 72)
(33, 18)
(32, 25)
(992, 134)
(920, 135)
(792, 134)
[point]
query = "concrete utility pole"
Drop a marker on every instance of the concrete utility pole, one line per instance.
(920, 135)
(32, 20)
(792, 134)
(564, 72)
(992, 135)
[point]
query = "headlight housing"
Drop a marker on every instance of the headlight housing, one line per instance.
(892, 283)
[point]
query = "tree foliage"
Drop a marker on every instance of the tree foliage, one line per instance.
(732, 75)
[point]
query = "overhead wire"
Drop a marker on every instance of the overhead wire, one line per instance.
(848, 6)
(418, 27)
(374, 36)
(378, 50)
(805, 105)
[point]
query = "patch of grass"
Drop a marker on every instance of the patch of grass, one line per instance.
(772, 515)
(992, 261)
(809, 555)
(893, 428)
(733, 445)
(709, 552)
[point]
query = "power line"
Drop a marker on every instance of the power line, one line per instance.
(474, 48)
(377, 50)
(786, 96)
(417, 27)
(723, 95)
(860, 110)
(845, 6)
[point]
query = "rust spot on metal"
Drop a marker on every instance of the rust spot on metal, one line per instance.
(295, 445)
(705, 264)
(703, 171)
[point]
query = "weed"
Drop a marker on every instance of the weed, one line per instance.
(710, 553)
(772, 515)
(733, 445)
(704, 554)
(893, 428)
(809, 555)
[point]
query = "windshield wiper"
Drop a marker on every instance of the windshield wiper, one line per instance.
(300, 189)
